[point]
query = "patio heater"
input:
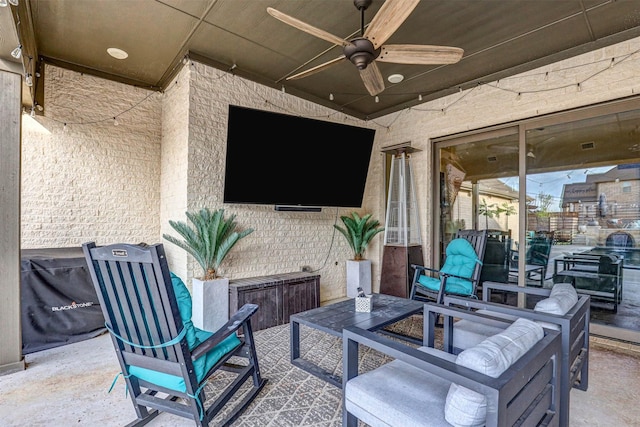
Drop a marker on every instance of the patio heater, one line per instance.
(402, 243)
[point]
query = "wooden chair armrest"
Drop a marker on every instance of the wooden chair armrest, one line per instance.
(423, 268)
(233, 324)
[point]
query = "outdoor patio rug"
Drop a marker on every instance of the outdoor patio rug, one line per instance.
(293, 397)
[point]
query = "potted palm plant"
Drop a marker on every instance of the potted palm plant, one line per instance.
(359, 231)
(208, 238)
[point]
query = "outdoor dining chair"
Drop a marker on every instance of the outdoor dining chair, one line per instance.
(165, 360)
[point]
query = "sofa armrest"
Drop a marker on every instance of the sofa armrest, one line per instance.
(541, 363)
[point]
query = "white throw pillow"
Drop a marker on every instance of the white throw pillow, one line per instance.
(491, 357)
(562, 298)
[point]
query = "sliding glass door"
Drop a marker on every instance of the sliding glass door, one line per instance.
(571, 180)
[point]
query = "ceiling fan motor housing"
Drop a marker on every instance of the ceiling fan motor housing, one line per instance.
(361, 52)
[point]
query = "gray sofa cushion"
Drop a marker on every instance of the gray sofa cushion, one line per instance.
(399, 394)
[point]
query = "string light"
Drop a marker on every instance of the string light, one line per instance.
(28, 80)
(17, 52)
(610, 64)
(64, 128)
(115, 121)
(444, 111)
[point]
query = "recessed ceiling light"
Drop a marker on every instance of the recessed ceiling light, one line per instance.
(395, 78)
(117, 53)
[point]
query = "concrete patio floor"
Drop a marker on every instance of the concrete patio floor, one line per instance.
(68, 386)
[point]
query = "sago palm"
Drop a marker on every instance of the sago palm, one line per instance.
(359, 231)
(208, 239)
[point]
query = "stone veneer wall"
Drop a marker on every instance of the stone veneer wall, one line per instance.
(282, 241)
(94, 180)
(175, 164)
(106, 183)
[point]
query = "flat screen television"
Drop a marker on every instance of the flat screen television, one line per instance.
(294, 162)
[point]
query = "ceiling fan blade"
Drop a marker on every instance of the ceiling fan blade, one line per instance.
(372, 79)
(294, 22)
(316, 69)
(419, 54)
(389, 17)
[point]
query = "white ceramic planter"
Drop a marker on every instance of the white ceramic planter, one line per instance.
(210, 303)
(358, 275)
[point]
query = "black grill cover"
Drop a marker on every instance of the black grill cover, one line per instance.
(59, 303)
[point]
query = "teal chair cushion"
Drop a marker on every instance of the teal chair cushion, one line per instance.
(461, 261)
(194, 337)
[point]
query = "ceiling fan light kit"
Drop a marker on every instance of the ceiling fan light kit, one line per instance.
(365, 50)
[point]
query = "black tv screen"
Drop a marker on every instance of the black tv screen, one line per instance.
(279, 159)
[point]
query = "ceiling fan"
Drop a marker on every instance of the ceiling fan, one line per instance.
(365, 50)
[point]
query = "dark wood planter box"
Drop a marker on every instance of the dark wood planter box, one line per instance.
(279, 296)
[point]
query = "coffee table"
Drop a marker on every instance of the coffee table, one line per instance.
(333, 318)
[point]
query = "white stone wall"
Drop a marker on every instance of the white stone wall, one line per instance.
(282, 241)
(97, 181)
(174, 169)
(93, 181)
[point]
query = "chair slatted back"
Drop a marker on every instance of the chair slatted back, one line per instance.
(138, 306)
(478, 239)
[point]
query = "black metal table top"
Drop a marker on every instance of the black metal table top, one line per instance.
(333, 318)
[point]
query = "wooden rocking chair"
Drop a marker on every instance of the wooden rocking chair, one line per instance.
(165, 360)
(460, 273)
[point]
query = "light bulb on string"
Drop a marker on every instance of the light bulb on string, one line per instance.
(546, 76)
(17, 52)
(64, 128)
(613, 60)
(419, 97)
(377, 99)
(330, 97)
(579, 87)
(519, 96)
(115, 121)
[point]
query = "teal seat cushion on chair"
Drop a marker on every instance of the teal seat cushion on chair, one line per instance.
(461, 261)
(194, 337)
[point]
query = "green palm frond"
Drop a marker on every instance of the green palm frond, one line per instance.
(208, 238)
(359, 231)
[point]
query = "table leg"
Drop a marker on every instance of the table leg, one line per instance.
(295, 340)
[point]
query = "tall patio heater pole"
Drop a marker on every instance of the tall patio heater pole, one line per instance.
(402, 243)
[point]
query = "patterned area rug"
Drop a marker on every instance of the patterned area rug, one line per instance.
(293, 397)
